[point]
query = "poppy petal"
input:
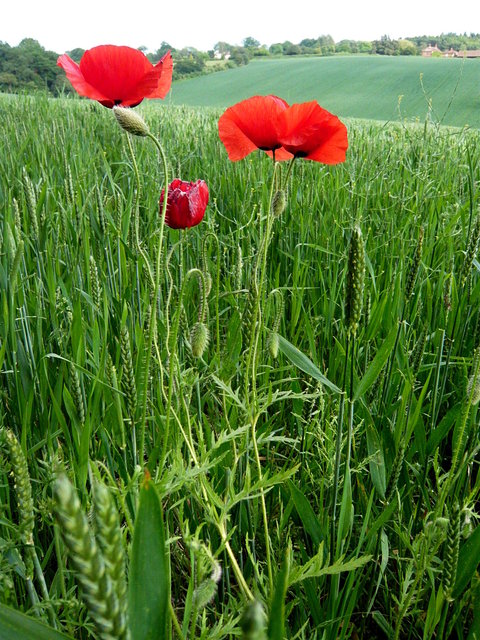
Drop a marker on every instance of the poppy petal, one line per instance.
(186, 203)
(154, 84)
(251, 124)
(237, 144)
(115, 72)
(81, 86)
(164, 69)
(311, 132)
(118, 75)
(334, 145)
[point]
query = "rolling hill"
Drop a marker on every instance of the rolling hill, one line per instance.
(371, 87)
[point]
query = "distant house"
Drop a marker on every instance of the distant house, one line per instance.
(430, 50)
(451, 53)
(219, 55)
(473, 53)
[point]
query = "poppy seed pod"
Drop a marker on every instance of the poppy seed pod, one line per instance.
(131, 121)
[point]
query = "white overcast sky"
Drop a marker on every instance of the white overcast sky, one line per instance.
(60, 25)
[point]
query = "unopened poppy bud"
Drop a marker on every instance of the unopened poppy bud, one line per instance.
(279, 203)
(199, 339)
(252, 621)
(131, 121)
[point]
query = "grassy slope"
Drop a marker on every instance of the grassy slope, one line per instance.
(358, 86)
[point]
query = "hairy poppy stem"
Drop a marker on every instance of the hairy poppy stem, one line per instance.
(289, 171)
(252, 361)
(153, 323)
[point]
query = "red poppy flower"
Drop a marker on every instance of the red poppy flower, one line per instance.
(118, 75)
(186, 203)
(252, 124)
(308, 131)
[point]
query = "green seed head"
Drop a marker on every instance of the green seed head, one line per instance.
(473, 388)
(355, 281)
(273, 342)
(88, 561)
(23, 489)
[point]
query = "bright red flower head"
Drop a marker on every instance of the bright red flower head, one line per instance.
(308, 131)
(252, 124)
(186, 203)
(118, 75)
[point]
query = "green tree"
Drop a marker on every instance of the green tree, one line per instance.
(161, 51)
(240, 56)
(407, 48)
(276, 49)
(76, 54)
(250, 43)
(221, 49)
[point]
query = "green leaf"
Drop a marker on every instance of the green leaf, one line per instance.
(276, 619)
(14, 624)
(315, 567)
(377, 461)
(148, 587)
(376, 366)
(306, 514)
(468, 560)
(345, 520)
(304, 363)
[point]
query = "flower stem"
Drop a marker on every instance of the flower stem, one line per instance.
(153, 322)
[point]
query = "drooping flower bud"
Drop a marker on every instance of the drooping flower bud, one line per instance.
(131, 121)
(279, 203)
(252, 621)
(199, 339)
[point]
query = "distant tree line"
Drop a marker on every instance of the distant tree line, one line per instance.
(29, 67)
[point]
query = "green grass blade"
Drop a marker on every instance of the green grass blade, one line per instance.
(377, 364)
(304, 363)
(148, 588)
(377, 460)
(14, 624)
(468, 560)
(307, 515)
(276, 621)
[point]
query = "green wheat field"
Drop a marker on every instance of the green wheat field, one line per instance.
(382, 88)
(312, 473)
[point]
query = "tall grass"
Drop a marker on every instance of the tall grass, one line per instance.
(325, 488)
